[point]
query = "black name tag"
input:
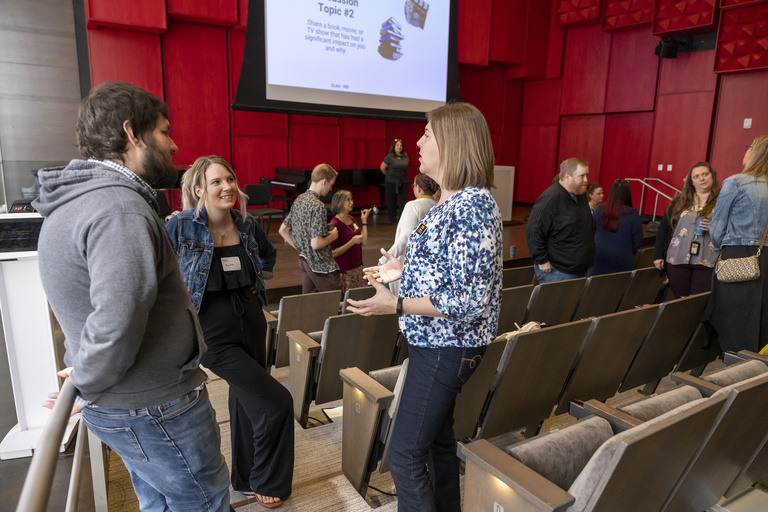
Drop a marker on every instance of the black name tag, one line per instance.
(695, 246)
(421, 229)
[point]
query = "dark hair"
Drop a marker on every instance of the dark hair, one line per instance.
(686, 197)
(426, 184)
(392, 147)
(591, 187)
(618, 204)
(100, 132)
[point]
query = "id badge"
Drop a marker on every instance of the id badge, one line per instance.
(695, 248)
(230, 264)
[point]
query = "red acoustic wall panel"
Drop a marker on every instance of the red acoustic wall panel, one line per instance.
(538, 161)
(725, 4)
(509, 24)
(242, 15)
(236, 42)
(626, 145)
(474, 31)
(484, 88)
(582, 137)
(508, 150)
(371, 129)
(689, 72)
(677, 17)
(575, 13)
(313, 143)
(741, 97)
(361, 148)
(145, 15)
(620, 14)
(742, 39)
(541, 102)
(126, 56)
(680, 135)
(585, 70)
(213, 12)
(632, 72)
(257, 157)
(259, 124)
(198, 100)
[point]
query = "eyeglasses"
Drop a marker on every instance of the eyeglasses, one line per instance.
(747, 147)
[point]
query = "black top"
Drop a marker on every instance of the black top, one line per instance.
(561, 230)
(231, 268)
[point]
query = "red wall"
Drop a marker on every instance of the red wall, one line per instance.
(551, 85)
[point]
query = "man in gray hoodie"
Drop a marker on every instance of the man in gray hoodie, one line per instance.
(133, 341)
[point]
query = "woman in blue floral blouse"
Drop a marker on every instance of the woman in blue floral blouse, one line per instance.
(448, 306)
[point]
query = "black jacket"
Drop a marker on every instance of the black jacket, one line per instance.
(561, 231)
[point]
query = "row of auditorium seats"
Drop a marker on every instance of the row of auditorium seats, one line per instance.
(679, 451)
(551, 303)
(583, 359)
(316, 342)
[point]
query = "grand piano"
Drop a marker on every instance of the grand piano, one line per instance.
(296, 181)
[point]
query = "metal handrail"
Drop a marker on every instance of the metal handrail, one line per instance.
(645, 184)
(37, 485)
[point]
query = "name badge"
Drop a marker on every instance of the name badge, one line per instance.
(230, 264)
(421, 229)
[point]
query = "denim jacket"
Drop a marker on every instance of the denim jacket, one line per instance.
(741, 212)
(193, 244)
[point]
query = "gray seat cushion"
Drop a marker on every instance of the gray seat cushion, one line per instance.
(737, 373)
(659, 404)
(560, 456)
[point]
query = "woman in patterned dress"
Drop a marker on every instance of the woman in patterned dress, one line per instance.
(448, 305)
(687, 256)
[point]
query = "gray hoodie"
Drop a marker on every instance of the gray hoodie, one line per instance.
(113, 283)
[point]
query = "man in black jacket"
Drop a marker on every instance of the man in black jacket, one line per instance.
(560, 230)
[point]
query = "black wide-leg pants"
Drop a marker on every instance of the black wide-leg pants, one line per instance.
(260, 408)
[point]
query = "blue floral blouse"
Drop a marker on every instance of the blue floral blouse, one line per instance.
(454, 257)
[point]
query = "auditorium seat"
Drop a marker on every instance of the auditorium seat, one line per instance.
(306, 312)
(362, 293)
(663, 345)
(604, 467)
(367, 342)
(608, 350)
(643, 288)
(518, 276)
(533, 370)
(514, 304)
(555, 303)
(602, 294)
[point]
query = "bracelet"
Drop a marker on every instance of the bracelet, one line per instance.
(364, 224)
(399, 307)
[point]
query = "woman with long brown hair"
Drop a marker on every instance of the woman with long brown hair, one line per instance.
(683, 244)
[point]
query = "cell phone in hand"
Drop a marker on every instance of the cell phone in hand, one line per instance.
(331, 227)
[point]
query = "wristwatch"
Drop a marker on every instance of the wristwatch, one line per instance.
(399, 308)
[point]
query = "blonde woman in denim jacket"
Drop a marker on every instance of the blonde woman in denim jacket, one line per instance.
(738, 312)
(224, 255)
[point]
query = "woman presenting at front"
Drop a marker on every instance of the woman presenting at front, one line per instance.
(683, 245)
(395, 169)
(449, 304)
(224, 256)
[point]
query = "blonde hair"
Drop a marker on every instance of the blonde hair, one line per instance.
(464, 143)
(195, 177)
(757, 164)
(323, 172)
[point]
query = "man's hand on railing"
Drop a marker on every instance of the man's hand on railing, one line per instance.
(48, 404)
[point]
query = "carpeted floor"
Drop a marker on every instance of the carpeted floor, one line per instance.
(318, 483)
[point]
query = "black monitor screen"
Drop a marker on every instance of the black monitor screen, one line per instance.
(19, 235)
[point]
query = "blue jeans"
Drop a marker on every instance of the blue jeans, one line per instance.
(172, 452)
(422, 454)
(555, 275)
